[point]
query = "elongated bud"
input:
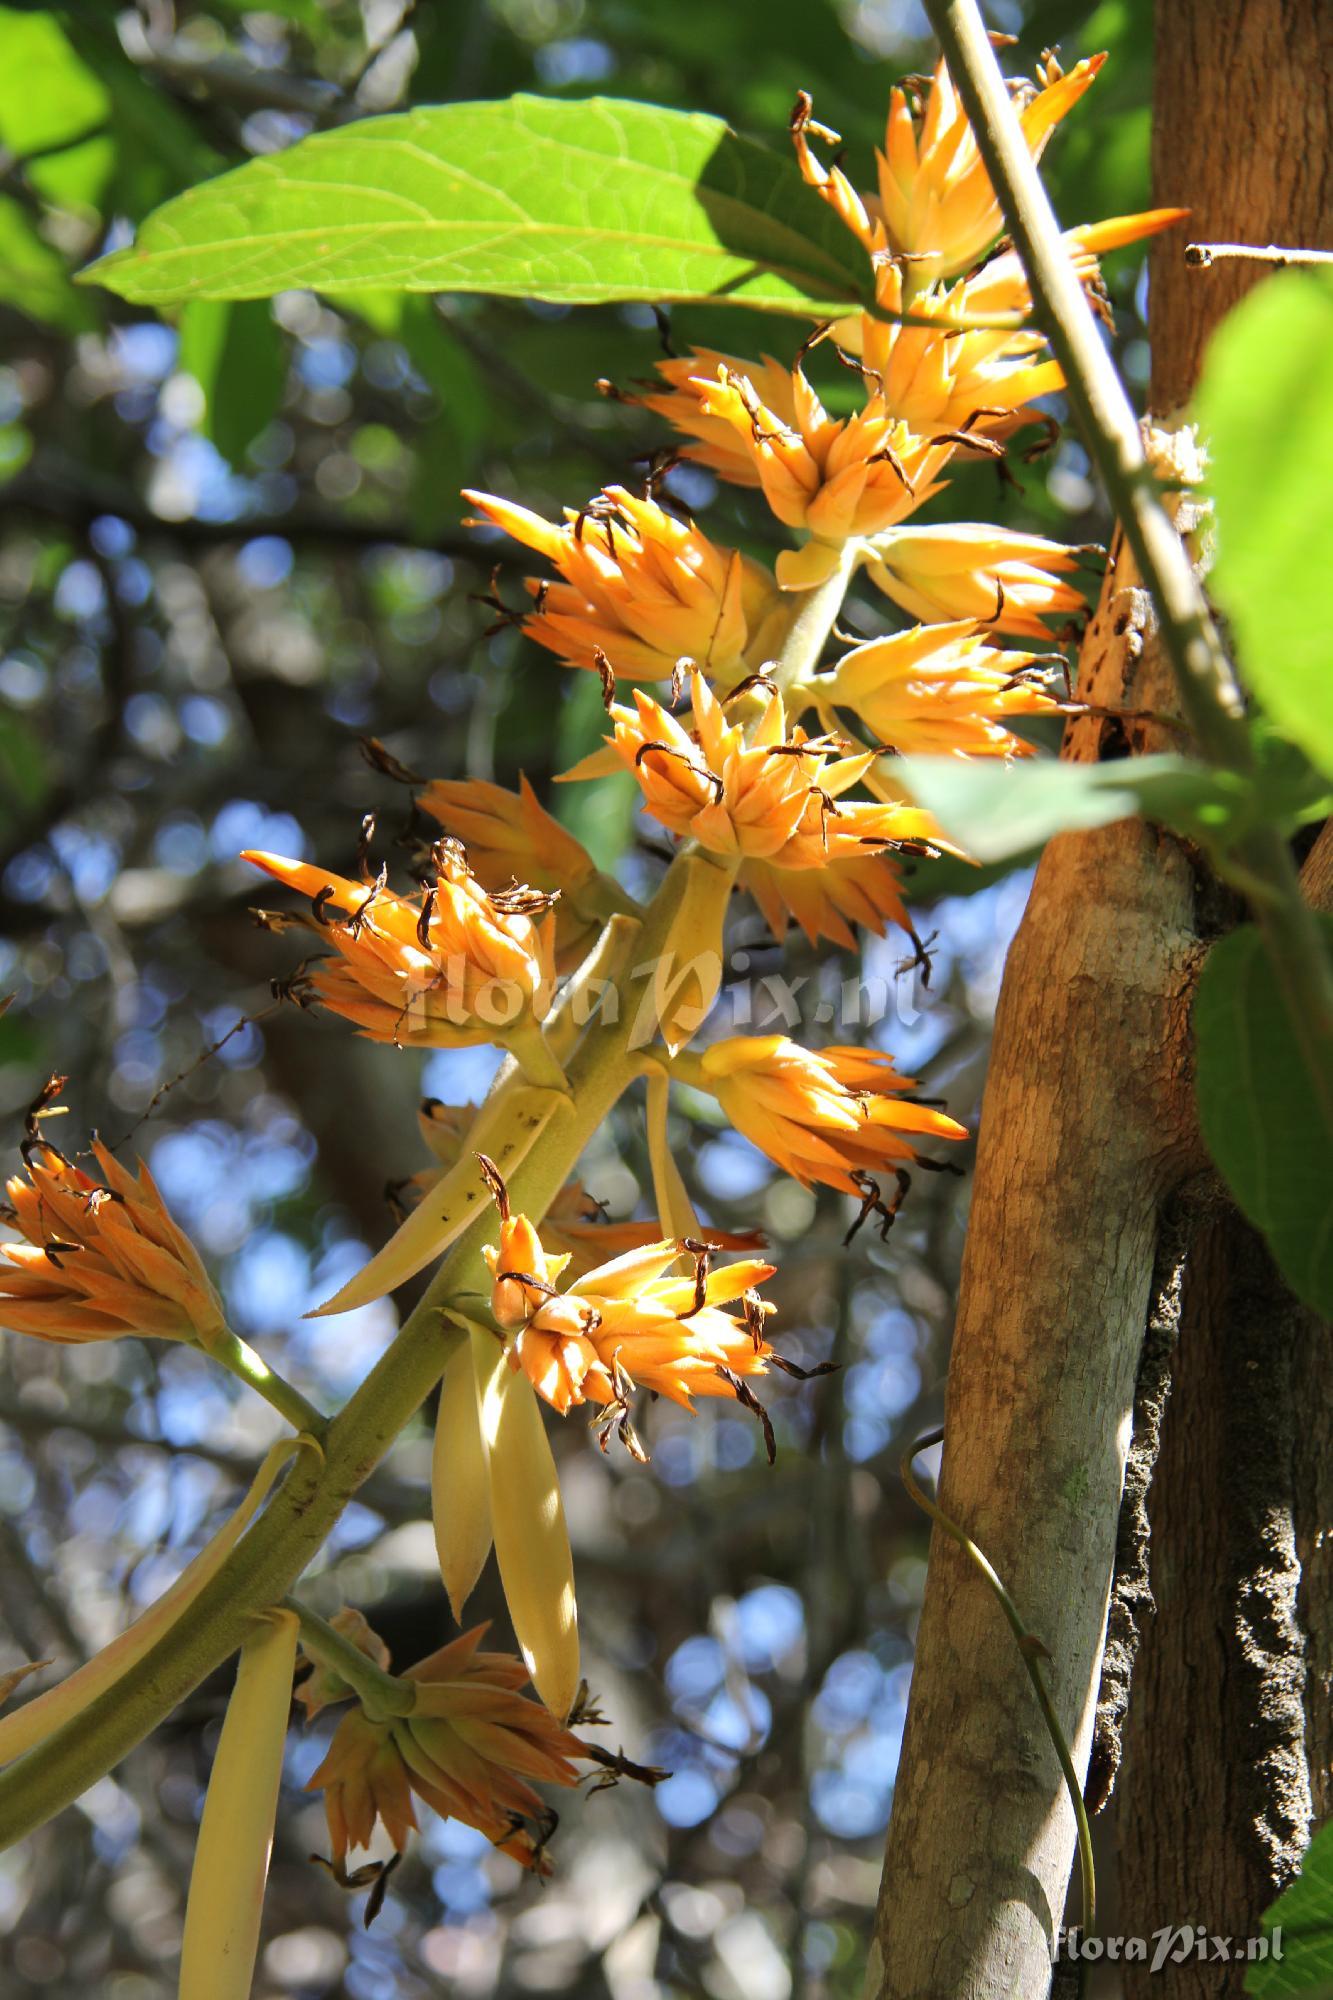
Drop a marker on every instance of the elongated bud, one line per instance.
(509, 1125)
(460, 1473)
(226, 1900)
(37, 1719)
(681, 984)
(531, 1539)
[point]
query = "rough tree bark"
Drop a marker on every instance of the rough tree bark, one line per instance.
(1088, 1183)
(1227, 1743)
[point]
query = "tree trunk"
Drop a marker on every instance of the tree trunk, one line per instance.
(1087, 1147)
(1227, 1743)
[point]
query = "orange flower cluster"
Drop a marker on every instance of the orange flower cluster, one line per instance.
(470, 1748)
(101, 1258)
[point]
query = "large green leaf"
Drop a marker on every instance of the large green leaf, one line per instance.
(238, 357)
(1266, 406)
(33, 276)
(997, 811)
(51, 103)
(573, 202)
(1260, 1115)
(1300, 1924)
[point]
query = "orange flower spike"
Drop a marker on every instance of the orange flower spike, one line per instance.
(101, 1259)
(644, 588)
(995, 577)
(935, 207)
(449, 968)
(939, 691)
(825, 1116)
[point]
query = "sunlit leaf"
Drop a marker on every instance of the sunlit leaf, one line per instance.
(33, 277)
(1302, 1921)
(529, 197)
(237, 356)
(1259, 1110)
(1266, 407)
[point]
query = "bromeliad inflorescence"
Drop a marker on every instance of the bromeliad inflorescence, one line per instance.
(776, 786)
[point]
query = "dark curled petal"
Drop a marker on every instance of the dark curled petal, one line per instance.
(616, 1765)
(494, 1180)
(702, 1254)
(608, 678)
(423, 921)
(320, 903)
(42, 1105)
(55, 1250)
(745, 1395)
(798, 1373)
(382, 760)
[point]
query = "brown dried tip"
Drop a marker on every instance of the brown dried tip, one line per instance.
(608, 678)
(494, 1180)
(384, 761)
(44, 1105)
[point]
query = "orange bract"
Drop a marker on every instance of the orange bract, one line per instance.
(101, 1258)
(628, 1326)
(470, 1749)
(757, 423)
(644, 588)
(938, 691)
(450, 967)
(935, 206)
(993, 576)
(820, 1116)
(510, 838)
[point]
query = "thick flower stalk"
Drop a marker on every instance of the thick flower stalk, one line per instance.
(831, 1115)
(643, 589)
(101, 1258)
(448, 968)
(938, 691)
(470, 1747)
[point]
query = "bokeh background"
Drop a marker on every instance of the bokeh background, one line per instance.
(229, 548)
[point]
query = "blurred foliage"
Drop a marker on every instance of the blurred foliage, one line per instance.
(230, 546)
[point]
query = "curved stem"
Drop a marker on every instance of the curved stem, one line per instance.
(381, 1694)
(1033, 1653)
(240, 1360)
(815, 618)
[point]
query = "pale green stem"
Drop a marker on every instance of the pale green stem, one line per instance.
(239, 1359)
(816, 615)
(283, 1541)
(1209, 696)
(382, 1695)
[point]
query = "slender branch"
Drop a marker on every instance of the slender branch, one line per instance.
(815, 618)
(1209, 695)
(240, 1360)
(1202, 256)
(382, 1695)
(1033, 1653)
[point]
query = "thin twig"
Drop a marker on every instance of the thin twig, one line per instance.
(1202, 256)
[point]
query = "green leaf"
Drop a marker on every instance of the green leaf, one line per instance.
(580, 202)
(33, 277)
(1303, 1915)
(1259, 1110)
(237, 356)
(998, 811)
(50, 98)
(1266, 407)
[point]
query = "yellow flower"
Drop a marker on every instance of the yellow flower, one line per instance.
(511, 838)
(834, 1115)
(935, 205)
(101, 1259)
(938, 691)
(825, 901)
(759, 424)
(955, 375)
(470, 1748)
(451, 967)
(629, 1326)
(993, 576)
(644, 589)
